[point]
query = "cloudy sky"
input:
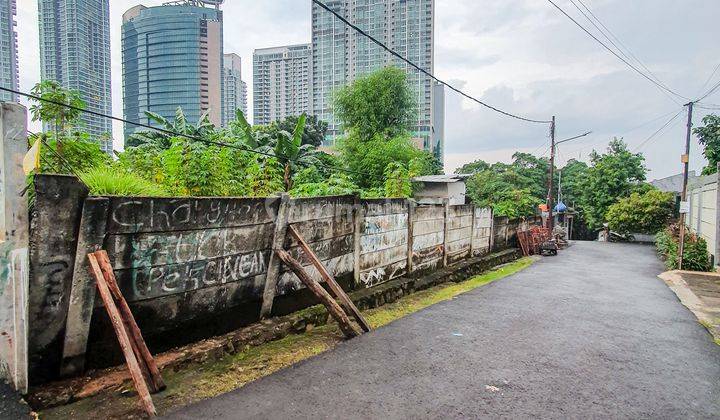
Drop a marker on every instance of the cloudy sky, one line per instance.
(519, 55)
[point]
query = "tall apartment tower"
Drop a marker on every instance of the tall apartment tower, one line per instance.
(9, 76)
(75, 52)
(340, 54)
(235, 95)
(281, 82)
(172, 57)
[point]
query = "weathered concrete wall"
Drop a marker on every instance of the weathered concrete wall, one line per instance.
(53, 239)
(428, 237)
(383, 241)
(192, 268)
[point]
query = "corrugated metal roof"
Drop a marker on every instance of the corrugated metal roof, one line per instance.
(446, 179)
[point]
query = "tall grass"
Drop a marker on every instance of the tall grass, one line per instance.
(107, 180)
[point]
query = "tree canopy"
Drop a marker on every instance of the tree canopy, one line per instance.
(709, 137)
(378, 104)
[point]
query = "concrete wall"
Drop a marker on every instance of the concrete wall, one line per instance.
(703, 216)
(191, 268)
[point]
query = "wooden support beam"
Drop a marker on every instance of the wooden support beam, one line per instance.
(142, 352)
(123, 338)
(315, 287)
(335, 288)
(273, 271)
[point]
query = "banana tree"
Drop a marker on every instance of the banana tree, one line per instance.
(202, 129)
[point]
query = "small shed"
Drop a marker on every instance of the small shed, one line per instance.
(436, 188)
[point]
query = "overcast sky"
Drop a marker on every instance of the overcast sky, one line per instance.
(519, 55)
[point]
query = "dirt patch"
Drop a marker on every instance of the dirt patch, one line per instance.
(699, 292)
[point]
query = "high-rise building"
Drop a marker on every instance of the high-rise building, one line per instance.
(172, 57)
(438, 125)
(281, 82)
(235, 95)
(341, 54)
(75, 52)
(9, 76)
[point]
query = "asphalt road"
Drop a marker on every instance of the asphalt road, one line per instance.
(590, 333)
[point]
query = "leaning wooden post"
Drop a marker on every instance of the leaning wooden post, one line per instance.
(325, 298)
(123, 338)
(334, 287)
(273, 271)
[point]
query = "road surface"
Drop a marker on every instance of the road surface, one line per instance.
(590, 333)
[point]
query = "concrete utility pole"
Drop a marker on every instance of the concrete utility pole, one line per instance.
(552, 174)
(683, 198)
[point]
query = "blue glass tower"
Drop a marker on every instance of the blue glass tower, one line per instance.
(172, 57)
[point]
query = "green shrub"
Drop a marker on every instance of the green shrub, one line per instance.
(113, 181)
(695, 253)
(647, 213)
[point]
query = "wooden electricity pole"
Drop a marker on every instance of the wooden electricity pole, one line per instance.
(552, 174)
(683, 197)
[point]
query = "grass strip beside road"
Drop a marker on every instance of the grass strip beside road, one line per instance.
(206, 380)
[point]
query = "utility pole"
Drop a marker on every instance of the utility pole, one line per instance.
(683, 198)
(552, 174)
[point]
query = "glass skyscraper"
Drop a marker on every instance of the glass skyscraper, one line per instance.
(9, 76)
(340, 54)
(235, 94)
(281, 82)
(75, 52)
(172, 57)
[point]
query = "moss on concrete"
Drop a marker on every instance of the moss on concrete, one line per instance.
(200, 381)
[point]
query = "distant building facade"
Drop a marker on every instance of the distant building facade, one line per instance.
(235, 95)
(340, 54)
(437, 139)
(9, 76)
(281, 82)
(172, 57)
(75, 52)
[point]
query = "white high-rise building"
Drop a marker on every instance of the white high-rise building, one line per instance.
(281, 82)
(75, 52)
(9, 76)
(341, 54)
(235, 95)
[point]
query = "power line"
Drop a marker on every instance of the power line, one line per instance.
(420, 69)
(176, 134)
(659, 85)
(709, 92)
(610, 36)
(640, 146)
